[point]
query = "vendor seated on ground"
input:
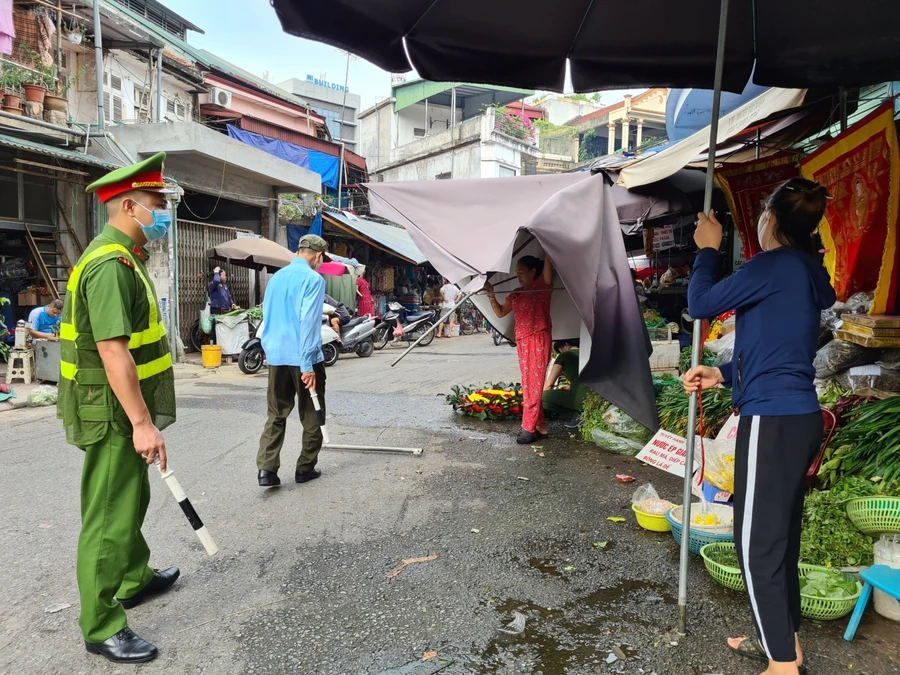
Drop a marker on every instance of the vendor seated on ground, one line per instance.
(339, 316)
(565, 400)
(45, 321)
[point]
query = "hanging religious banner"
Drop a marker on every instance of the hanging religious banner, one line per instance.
(747, 187)
(860, 169)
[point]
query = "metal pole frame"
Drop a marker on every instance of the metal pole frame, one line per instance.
(698, 330)
(437, 323)
(98, 64)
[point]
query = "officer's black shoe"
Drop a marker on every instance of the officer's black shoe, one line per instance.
(160, 582)
(124, 647)
(306, 476)
(268, 479)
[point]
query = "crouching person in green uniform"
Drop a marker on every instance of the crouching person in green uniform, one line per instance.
(565, 400)
(116, 392)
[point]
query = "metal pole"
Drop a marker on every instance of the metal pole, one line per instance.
(433, 328)
(173, 345)
(843, 106)
(698, 330)
(344, 104)
(340, 177)
(453, 107)
(373, 448)
(98, 64)
(58, 36)
(159, 97)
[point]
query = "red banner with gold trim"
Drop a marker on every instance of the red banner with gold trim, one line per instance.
(747, 187)
(860, 170)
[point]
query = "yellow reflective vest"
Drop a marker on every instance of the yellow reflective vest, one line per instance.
(86, 402)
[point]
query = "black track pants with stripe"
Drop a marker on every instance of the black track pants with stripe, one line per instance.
(772, 456)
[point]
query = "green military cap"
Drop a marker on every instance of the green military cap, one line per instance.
(314, 243)
(146, 176)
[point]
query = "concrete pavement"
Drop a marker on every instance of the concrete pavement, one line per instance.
(300, 585)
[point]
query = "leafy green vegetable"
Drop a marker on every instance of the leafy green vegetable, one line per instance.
(725, 556)
(868, 445)
(827, 536)
(672, 405)
(684, 361)
(255, 313)
(592, 415)
(829, 584)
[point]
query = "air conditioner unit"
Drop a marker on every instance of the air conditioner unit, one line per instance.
(220, 97)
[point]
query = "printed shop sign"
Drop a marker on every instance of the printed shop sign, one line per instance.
(667, 451)
(663, 238)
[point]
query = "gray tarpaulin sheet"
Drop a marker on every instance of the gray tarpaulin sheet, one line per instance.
(475, 229)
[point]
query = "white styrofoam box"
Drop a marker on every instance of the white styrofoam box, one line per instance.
(665, 355)
(887, 552)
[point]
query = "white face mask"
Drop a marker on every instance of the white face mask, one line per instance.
(762, 227)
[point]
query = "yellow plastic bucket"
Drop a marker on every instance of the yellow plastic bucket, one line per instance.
(212, 356)
(651, 522)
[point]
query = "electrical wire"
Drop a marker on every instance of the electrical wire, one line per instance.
(218, 198)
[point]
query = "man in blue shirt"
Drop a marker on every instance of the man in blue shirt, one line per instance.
(292, 339)
(45, 321)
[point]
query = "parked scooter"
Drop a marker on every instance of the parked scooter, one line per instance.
(414, 325)
(357, 336)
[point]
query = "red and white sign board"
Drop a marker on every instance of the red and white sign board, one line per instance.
(667, 451)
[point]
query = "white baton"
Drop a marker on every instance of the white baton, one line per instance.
(320, 414)
(199, 528)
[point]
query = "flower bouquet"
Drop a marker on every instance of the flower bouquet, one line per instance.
(498, 401)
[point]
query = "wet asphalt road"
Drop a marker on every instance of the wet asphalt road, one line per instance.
(300, 585)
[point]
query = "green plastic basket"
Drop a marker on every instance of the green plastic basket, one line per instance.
(729, 577)
(826, 609)
(875, 515)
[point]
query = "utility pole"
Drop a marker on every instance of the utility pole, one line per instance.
(341, 127)
(98, 61)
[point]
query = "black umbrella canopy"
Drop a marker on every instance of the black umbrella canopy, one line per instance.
(610, 43)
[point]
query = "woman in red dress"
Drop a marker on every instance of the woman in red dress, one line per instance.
(365, 306)
(531, 311)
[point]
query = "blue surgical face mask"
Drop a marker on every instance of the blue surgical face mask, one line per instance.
(162, 220)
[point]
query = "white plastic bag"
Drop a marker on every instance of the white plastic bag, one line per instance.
(646, 500)
(718, 469)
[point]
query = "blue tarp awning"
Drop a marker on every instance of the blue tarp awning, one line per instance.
(324, 165)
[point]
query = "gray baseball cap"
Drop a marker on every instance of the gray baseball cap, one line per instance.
(314, 243)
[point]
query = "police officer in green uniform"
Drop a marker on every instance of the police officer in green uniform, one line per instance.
(116, 393)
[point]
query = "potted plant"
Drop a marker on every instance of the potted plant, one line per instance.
(75, 32)
(11, 84)
(35, 81)
(56, 99)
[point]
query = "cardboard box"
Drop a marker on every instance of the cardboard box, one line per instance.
(29, 299)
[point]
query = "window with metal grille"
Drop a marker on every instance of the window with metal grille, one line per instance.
(443, 176)
(419, 133)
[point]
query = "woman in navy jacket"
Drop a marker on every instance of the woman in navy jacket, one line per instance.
(778, 296)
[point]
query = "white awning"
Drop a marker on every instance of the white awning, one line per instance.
(665, 163)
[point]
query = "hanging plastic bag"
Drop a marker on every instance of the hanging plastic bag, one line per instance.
(206, 320)
(718, 470)
(646, 500)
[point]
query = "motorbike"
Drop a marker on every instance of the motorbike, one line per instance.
(357, 336)
(414, 324)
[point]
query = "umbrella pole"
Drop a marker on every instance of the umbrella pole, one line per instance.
(696, 356)
(433, 328)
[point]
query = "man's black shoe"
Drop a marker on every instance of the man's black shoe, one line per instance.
(525, 437)
(160, 583)
(306, 476)
(268, 479)
(124, 647)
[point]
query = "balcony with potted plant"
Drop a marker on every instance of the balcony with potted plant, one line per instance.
(11, 80)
